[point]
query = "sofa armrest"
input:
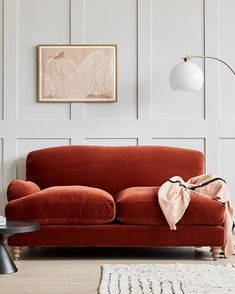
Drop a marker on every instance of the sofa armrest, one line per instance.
(20, 188)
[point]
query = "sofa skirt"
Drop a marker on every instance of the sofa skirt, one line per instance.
(119, 235)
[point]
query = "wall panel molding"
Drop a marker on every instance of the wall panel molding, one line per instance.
(190, 143)
(1, 57)
(227, 162)
(111, 141)
(144, 59)
(25, 145)
(77, 36)
(10, 66)
(1, 175)
(177, 29)
(39, 22)
(115, 22)
(225, 48)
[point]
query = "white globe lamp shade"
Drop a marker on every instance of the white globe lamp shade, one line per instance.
(186, 75)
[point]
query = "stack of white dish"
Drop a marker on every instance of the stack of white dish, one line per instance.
(3, 220)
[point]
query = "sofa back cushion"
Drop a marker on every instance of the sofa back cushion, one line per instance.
(111, 168)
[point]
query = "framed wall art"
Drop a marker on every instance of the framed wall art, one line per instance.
(77, 73)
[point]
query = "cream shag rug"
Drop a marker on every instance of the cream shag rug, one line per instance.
(167, 278)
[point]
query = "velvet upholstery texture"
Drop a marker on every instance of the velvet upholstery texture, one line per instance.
(120, 235)
(111, 168)
(139, 206)
(64, 205)
(19, 188)
(76, 204)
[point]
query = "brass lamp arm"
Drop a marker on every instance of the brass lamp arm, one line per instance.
(189, 57)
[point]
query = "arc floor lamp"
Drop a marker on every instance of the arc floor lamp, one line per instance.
(187, 75)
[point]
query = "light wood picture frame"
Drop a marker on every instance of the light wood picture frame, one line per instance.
(77, 73)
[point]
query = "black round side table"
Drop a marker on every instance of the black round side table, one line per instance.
(7, 265)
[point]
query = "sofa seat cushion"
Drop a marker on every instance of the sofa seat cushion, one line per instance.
(64, 205)
(139, 205)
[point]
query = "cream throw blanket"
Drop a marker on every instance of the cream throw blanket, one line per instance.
(174, 198)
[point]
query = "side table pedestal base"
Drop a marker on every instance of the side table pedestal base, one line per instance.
(7, 265)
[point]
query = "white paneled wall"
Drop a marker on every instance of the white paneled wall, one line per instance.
(191, 143)
(227, 162)
(115, 22)
(24, 146)
(151, 36)
(39, 22)
(1, 57)
(177, 30)
(111, 141)
(1, 167)
(226, 48)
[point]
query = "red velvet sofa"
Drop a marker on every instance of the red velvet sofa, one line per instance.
(107, 196)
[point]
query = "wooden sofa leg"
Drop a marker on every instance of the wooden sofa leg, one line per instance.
(215, 252)
(15, 253)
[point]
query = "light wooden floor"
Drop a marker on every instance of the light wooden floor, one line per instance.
(77, 270)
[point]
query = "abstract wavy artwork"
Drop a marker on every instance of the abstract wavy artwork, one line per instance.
(77, 73)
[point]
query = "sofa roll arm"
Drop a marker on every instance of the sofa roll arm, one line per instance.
(20, 188)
